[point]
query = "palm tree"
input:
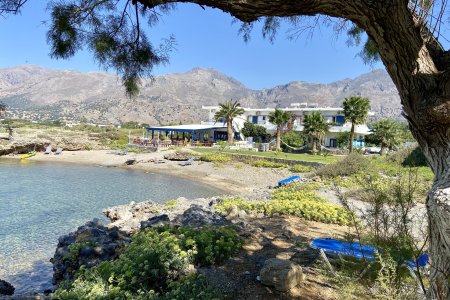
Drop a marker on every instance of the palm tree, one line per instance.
(280, 118)
(316, 127)
(228, 111)
(387, 133)
(356, 110)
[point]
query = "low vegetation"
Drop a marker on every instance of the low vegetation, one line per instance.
(155, 266)
(292, 200)
(274, 154)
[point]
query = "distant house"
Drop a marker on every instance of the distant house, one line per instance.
(332, 115)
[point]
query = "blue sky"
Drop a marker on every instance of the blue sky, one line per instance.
(205, 38)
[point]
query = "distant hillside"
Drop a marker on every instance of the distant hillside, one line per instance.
(39, 93)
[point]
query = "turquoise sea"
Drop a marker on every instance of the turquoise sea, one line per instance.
(41, 201)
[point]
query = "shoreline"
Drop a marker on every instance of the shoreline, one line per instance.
(231, 179)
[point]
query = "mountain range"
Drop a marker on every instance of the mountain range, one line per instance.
(37, 93)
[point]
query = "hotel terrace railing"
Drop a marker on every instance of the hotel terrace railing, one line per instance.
(167, 143)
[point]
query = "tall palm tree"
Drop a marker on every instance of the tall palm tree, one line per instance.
(280, 118)
(356, 110)
(228, 111)
(316, 127)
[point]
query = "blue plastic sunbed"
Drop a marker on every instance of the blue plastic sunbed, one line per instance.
(288, 180)
(329, 245)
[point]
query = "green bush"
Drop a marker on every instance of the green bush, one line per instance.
(151, 261)
(352, 164)
(75, 248)
(190, 288)
(301, 169)
(292, 200)
(150, 265)
(210, 245)
(170, 204)
(266, 164)
(241, 204)
(215, 157)
(416, 158)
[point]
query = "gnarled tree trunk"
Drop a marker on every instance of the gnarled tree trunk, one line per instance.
(420, 69)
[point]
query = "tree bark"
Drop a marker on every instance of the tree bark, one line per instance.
(278, 138)
(314, 145)
(230, 131)
(420, 69)
(352, 136)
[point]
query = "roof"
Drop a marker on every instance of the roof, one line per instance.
(186, 128)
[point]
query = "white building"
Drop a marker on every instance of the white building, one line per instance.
(332, 115)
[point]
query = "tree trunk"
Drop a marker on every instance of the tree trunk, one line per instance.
(383, 149)
(438, 207)
(278, 138)
(314, 145)
(420, 69)
(352, 136)
(230, 131)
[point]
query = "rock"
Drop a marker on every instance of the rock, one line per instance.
(96, 243)
(177, 156)
(232, 212)
(281, 274)
(316, 179)
(157, 221)
(242, 213)
(197, 215)
(6, 288)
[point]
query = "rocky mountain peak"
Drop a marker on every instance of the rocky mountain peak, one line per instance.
(173, 98)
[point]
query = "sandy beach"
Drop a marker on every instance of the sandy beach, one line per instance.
(234, 178)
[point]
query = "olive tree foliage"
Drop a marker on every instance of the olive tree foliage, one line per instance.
(113, 32)
(403, 34)
(11, 6)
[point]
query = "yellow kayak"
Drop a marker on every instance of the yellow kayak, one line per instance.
(29, 154)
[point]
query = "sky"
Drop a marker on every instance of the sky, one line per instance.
(204, 38)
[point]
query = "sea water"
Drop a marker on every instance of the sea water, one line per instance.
(40, 201)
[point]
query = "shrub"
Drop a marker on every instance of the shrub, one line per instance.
(190, 287)
(151, 264)
(151, 261)
(170, 204)
(75, 248)
(266, 164)
(215, 157)
(292, 200)
(241, 204)
(352, 164)
(415, 159)
(210, 245)
(87, 147)
(306, 204)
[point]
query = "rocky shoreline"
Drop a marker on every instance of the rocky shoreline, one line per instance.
(95, 242)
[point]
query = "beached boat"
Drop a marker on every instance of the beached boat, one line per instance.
(29, 154)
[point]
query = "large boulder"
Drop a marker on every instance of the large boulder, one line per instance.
(177, 156)
(155, 221)
(6, 288)
(197, 216)
(91, 244)
(128, 217)
(281, 274)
